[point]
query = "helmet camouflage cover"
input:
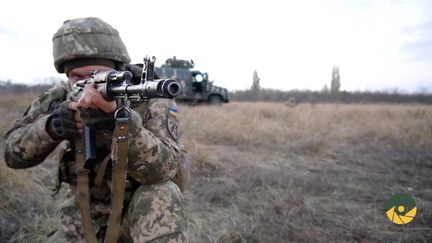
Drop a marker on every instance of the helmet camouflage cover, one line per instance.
(87, 38)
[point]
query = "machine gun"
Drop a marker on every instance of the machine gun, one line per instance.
(119, 86)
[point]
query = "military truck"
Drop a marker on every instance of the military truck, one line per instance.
(196, 86)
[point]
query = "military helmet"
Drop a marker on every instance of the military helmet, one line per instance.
(85, 38)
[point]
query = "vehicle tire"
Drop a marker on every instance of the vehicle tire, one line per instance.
(215, 100)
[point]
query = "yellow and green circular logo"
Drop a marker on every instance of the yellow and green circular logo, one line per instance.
(401, 209)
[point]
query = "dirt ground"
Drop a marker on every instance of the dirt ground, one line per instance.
(265, 172)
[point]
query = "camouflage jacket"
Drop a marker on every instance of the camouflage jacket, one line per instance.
(153, 147)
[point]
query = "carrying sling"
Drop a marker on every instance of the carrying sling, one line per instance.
(119, 157)
(83, 191)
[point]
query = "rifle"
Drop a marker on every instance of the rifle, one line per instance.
(119, 86)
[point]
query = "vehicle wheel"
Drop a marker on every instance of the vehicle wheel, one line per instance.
(215, 100)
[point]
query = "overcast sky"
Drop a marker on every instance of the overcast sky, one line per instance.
(377, 44)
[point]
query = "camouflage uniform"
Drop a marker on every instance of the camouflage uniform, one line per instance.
(154, 203)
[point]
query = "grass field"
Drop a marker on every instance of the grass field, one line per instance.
(265, 172)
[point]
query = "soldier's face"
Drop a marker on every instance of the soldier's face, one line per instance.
(84, 72)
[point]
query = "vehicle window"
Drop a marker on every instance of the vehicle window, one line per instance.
(198, 78)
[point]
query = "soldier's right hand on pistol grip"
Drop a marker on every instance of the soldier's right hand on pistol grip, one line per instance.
(62, 122)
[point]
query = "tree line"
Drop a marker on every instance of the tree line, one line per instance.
(308, 96)
(18, 88)
(327, 95)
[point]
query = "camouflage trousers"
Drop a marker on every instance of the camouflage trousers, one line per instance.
(155, 214)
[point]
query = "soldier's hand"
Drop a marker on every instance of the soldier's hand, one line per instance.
(62, 123)
(96, 112)
(78, 123)
(91, 98)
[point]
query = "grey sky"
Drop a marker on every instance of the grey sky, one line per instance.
(292, 44)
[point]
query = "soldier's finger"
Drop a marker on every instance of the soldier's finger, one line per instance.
(77, 117)
(84, 101)
(90, 85)
(72, 106)
(79, 125)
(94, 99)
(106, 106)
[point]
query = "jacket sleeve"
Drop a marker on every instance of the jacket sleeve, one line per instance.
(27, 143)
(153, 146)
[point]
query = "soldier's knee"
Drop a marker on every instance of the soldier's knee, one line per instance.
(156, 213)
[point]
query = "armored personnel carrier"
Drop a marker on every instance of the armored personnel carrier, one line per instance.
(196, 87)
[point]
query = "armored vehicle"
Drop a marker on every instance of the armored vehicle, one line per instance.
(196, 87)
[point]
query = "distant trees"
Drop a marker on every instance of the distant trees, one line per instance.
(330, 93)
(325, 90)
(9, 87)
(335, 81)
(309, 96)
(256, 86)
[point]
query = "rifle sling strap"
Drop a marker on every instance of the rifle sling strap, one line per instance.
(83, 192)
(119, 156)
(101, 171)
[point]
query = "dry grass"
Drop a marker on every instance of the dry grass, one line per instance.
(263, 172)
(11, 107)
(310, 173)
(270, 124)
(27, 209)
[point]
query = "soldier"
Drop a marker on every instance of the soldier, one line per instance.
(153, 204)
